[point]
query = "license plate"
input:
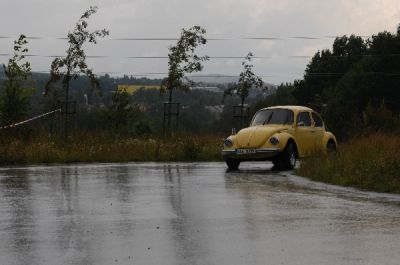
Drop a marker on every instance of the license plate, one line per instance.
(245, 151)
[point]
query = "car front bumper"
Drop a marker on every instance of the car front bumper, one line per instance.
(253, 154)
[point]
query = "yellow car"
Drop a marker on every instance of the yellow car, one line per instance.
(280, 134)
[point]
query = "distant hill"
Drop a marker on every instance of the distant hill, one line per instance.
(218, 79)
(212, 83)
(213, 79)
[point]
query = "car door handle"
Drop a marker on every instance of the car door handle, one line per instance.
(312, 131)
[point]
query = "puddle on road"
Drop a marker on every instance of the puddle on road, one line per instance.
(155, 213)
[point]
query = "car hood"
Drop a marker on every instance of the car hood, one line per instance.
(255, 137)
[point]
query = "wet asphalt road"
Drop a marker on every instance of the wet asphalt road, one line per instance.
(164, 214)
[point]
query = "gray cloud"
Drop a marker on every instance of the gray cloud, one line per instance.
(221, 18)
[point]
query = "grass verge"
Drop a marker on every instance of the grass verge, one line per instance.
(367, 162)
(101, 148)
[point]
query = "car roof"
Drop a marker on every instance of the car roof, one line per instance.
(293, 108)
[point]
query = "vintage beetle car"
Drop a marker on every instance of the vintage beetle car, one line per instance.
(280, 134)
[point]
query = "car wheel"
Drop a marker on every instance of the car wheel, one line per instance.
(233, 164)
(287, 158)
(331, 148)
(277, 164)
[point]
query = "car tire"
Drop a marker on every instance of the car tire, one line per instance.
(287, 158)
(277, 164)
(232, 164)
(331, 148)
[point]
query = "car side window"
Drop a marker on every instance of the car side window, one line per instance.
(317, 120)
(303, 119)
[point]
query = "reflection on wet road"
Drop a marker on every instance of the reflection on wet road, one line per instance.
(153, 213)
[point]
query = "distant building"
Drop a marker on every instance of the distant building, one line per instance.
(208, 88)
(215, 110)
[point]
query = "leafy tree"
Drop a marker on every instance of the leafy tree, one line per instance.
(14, 100)
(247, 80)
(326, 68)
(352, 79)
(74, 64)
(371, 81)
(183, 60)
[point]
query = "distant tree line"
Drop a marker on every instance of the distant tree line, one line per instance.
(117, 111)
(355, 85)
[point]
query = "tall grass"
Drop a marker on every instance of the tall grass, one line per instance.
(93, 147)
(368, 162)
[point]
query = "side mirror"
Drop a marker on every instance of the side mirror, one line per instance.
(233, 131)
(300, 124)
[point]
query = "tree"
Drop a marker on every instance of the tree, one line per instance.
(282, 96)
(74, 64)
(121, 111)
(247, 80)
(183, 60)
(326, 68)
(14, 100)
(372, 80)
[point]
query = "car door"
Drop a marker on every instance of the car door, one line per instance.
(318, 126)
(304, 133)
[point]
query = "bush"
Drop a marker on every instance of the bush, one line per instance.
(368, 162)
(380, 119)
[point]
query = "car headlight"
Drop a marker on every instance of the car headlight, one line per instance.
(228, 142)
(274, 140)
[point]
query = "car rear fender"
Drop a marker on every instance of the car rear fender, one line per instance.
(328, 136)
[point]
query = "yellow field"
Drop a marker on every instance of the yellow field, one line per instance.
(131, 89)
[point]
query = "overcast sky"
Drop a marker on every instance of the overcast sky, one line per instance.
(231, 19)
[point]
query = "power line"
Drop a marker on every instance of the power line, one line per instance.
(138, 57)
(155, 57)
(213, 57)
(144, 57)
(321, 74)
(256, 38)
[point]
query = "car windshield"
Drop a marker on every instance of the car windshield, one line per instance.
(273, 116)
